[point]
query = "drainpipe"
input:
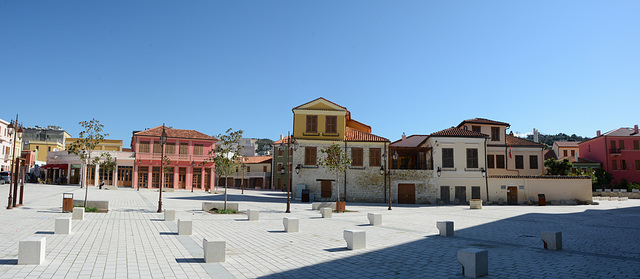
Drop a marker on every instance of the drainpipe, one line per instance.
(486, 176)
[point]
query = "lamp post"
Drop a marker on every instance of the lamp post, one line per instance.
(388, 172)
(139, 162)
(295, 147)
(14, 129)
(243, 166)
(163, 140)
(193, 166)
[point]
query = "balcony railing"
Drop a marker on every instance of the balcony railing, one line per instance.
(615, 150)
(172, 157)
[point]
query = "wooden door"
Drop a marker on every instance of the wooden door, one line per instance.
(326, 189)
(444, 194)
(155, 177)
(512, 195)
(475, 192)
(407, 193)
(461, 194)
(182, 177)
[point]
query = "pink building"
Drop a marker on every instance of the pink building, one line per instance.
(617, 150)
(187, 150)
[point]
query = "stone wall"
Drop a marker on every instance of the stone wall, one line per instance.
(426, 190)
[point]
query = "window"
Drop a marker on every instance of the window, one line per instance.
(170, 148)
(157, 148)
(637, 164)
(614, 165)
(621, 144)
(331, 125)
(495, 133)
(264, 168)
(533, 162)
(564, 153)
(184, 148)
(475, 128)
(573, 153)
(623, 165)
(197, 149)
(519, 162)
(279, 168)
(475, 192)
(636, 146)
(248, 168)
(374, 157)
(447, 157)
(49, 148)
(490, 161)
(472, 158)
(356, 157)
(589, 147)
(279, 152)
(144, 146)
(499, 161)
(310, 155)
(312, 123)
(613, 144)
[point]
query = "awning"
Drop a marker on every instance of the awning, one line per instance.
(55, 166)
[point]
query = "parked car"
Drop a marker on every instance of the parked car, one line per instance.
(5, 177)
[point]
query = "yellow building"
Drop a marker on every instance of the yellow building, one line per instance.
(42, 148)
(106, 145)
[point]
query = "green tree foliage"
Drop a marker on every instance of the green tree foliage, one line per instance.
(549, 139)
(601, 178)
(227, 156)
(89, 138)
(555, 167)
(336, 160)
(264, 146)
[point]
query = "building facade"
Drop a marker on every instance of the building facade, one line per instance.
(65, 168)
(42, 140)
(618, 151)
(254, 173)
(566, 150)
(282, 164)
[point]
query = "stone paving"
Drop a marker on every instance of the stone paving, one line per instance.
(133, 241)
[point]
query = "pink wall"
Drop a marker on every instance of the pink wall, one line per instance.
(600, 151)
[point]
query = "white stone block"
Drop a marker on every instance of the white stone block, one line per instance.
(475, 204)
(445, 228)
(31, 250)
(291, 224)
(253, 215)
(63, 225)
(169, 215)
(185, 227)
(552, 240)
(321, 205)
(78, 213)
(474, 261)
(356, 239)
(326, 212)
(375, 219)
(214, 251)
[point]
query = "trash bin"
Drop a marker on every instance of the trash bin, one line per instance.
(67, 202)
(305, 195)
(542, 201)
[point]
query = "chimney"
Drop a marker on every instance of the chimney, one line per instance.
(597, 133)
(280, 136)
(635, 129)
(535, 135)
(575, 159)
(404, 137)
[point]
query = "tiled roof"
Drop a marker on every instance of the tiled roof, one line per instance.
(457, 132)
(410, 141)
(566, 143)
(257, 159)
(483, 121)
(175, 133)
(321, 98)
(516, 141)
(550, 154)
(283, 140)
(355, 135)
(622, 132)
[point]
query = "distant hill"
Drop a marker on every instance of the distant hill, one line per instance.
(549, 139)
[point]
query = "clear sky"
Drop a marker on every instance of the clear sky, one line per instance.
(399, 66)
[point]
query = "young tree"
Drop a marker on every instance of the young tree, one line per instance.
(106, 162)
(227, 156)
(556, 167)
(87, 141)
(336, 161)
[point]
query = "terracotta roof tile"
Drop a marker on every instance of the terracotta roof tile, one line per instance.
(175, 133)
(457, 132)
(410, 141)
(566, 143)
(257, 159)
(516, 141)
(483, 121)
(283, 140)
(355, 135)
(550, 154)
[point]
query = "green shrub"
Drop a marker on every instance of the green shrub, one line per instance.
(91, 209)
(228, 211)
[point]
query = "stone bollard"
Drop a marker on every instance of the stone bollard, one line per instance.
(253, 215)
(474, 261)
(552, 240)
(63, 225)
(169, 215)
(31, 250)
(475, 204)
(184, 227)
(291, 224)
(78, 213)
(445, 228)
(356, 239)
(375, 219)
(214, 251)
(326, 212)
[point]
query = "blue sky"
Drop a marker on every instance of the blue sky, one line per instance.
(399, 66)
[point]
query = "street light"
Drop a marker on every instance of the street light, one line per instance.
(163, 140)
(243, 170)
(139, 162)
(295, 147)
(14, 128)
(193, 165)
(388, 172)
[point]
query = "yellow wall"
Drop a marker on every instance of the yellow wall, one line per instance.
(43, 148)
(107, 144)
(300, 125)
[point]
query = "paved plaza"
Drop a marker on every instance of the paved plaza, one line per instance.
(133, 241)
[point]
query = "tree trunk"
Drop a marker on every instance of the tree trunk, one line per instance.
(86, 188)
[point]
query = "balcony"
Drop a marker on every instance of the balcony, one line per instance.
(172, 157)
(615, 151)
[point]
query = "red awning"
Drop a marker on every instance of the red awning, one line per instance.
(55, 166)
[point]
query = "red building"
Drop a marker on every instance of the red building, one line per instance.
(187, 150)
(618, 151)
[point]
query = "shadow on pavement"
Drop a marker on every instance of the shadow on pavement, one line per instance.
(9, 262)
(190, 260)
(234, 198)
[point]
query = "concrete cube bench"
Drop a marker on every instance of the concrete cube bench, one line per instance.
(326, 212)
(214, 251)
(208, 206)
(185, 227)
(291, 224)
(375, 219)
(169, 215)
(253, 215)
(31, 250)
(474, 261)
(445, 228)
(78, 213)
(552, 240)
(475, 204)
(356, 239)
(320, 205)
(63, 225)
